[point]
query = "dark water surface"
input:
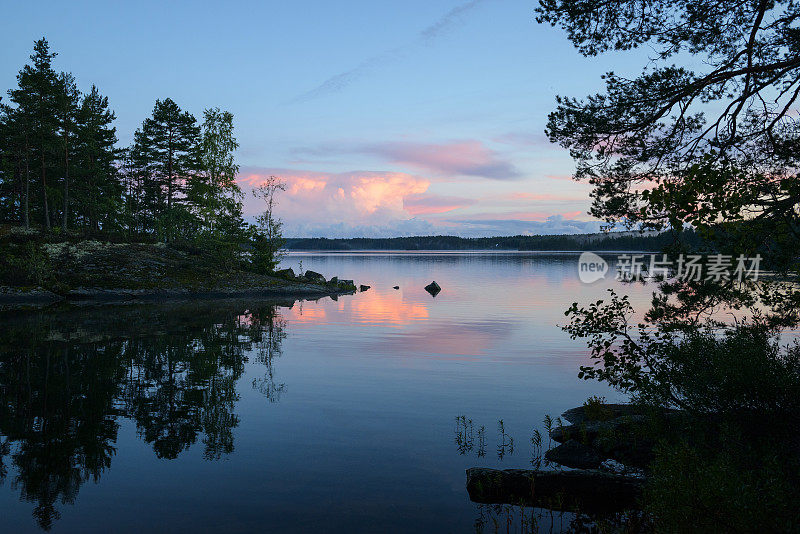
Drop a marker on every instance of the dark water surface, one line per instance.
(320, 416)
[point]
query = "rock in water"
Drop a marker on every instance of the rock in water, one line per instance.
(396, 287)
(362, 287)
(433, 288)
(312, 276)
(574, 454)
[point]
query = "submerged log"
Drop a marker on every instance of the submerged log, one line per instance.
(580, 490)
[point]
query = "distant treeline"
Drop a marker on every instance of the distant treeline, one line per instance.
(655, 242)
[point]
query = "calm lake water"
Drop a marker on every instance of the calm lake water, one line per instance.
(334, 415)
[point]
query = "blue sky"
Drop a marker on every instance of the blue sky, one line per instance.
(414, 117)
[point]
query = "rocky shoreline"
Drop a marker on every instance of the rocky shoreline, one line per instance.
(10, 296)
(94, 271)
(606, 451)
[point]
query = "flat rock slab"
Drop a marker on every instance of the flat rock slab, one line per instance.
(10, 295)
(588, 431)
(605, 412)
(575, 454)
(583, 490)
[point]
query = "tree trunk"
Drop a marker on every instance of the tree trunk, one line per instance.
(44, 192)
(27, 186)
(169, 189)
(65, 217)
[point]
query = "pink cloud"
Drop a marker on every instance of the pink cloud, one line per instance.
(544, 197)
(358, 197)
(423, 204)
(456, 158)
(566, 177)
(470, 158)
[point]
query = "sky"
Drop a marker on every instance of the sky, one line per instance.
(383, 118)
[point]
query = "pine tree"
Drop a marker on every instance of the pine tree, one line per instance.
(36, 98)
(67, 110)
(168, 143)
(100, 188)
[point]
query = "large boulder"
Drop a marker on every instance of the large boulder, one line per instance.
(314, 277)
(433, 288)
(285, 273)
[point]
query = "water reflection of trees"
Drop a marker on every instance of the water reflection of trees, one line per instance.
(67, 377)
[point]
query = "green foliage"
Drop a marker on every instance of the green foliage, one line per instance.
(267, 237)
(712, 145)
(59, 163)
(24, 264)
(709, 369)
(681, 129)
(597, 409)
(728, 484)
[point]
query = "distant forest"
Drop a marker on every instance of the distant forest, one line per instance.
(656, 242)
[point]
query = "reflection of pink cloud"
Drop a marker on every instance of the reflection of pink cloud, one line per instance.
(372, 307)
(464, 341)
(430, 204)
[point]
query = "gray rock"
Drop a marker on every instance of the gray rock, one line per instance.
(588, 431)
(433, 288)
(618, 468)
(605, 412)
(334, 281)
(347, 283)
(313, 276)
(575, 454)
(285, 273)
(362, 287)
(628, 439)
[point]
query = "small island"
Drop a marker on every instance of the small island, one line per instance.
(159, 219)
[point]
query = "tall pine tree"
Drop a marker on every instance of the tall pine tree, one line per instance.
(36, 99)
(168, 147)
(67, 101)
(99, 189)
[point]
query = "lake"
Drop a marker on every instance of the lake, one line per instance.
(329, 415)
